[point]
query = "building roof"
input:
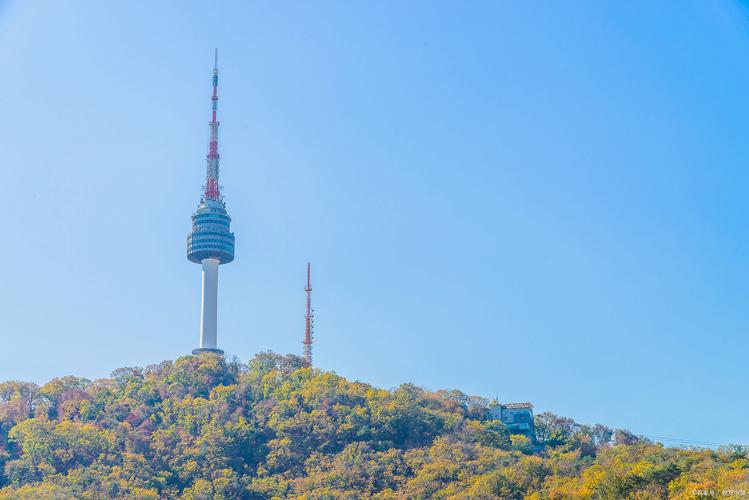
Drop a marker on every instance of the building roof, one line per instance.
(516, 405)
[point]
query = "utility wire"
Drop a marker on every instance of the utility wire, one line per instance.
(685, 441)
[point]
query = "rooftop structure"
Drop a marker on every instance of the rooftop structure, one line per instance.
(211, 243)
(518, 417)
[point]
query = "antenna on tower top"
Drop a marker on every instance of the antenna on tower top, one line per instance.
(308, 320)
(212, 189)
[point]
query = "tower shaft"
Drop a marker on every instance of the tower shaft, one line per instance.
(209, 306)
(308, 320)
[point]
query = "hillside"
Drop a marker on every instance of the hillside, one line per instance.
(209, 428)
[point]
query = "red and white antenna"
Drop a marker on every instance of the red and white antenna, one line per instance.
(308, 320)
(212, 188)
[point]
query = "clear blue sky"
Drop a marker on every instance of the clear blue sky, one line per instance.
(545, 200)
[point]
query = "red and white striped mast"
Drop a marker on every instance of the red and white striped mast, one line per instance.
(212, 188)
(308, 320)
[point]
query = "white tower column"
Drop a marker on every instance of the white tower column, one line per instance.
(209, 305)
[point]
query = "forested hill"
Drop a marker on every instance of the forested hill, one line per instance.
(203, 427)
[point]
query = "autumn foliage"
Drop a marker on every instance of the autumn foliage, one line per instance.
(205, 427)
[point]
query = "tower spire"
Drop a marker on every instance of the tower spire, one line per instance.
(308, 322)
(212, 188)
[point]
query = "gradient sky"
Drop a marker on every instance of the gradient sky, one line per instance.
(544, 200)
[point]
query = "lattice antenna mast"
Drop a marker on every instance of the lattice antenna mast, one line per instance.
(308, 320)
(212, 188)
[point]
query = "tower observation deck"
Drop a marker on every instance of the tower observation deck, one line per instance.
(211, 243)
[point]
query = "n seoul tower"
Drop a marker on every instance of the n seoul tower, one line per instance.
(210, 243)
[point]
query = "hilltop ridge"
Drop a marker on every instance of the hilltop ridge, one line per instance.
(207, 427)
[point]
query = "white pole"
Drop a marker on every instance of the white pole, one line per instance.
(209, 304)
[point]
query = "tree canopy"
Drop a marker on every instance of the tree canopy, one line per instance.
(204, 427)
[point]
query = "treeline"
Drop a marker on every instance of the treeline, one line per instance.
(204, 427)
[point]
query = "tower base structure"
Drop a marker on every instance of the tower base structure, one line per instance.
(206, 350)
